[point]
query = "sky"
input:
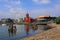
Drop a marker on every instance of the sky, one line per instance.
(19, 8)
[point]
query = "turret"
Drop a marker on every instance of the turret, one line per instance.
(27, 18)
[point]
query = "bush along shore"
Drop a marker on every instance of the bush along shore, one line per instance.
(51, 34)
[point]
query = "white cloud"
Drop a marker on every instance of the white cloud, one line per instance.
(7, 6)
(17, 2)
(54, 11)
(42, 1)
(5, 14)
(17, 11)
(13, 9)
(20, 12)
(13, 12)
(45, 1)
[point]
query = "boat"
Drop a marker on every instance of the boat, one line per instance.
(3, 24)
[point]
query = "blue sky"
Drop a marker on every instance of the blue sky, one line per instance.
(18, 8)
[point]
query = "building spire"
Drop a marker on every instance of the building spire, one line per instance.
(27, 11)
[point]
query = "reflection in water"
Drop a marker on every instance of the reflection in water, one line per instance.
(34, 27)
(21, 32)
(12, 30)
(27, 29)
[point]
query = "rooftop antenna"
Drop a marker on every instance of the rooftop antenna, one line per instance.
(28, 11)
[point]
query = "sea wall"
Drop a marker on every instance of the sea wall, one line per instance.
(51, 34)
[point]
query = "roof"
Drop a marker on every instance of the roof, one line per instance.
(41, 17)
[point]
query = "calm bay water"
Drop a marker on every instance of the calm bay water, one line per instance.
(18, 34)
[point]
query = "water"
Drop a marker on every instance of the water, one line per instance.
(18, 34)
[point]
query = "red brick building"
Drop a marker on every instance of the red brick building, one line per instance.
(27, 18)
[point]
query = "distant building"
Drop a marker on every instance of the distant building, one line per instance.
(27, 18)
(42, 18)
(3, 20)
(18, 20)
(45, 18)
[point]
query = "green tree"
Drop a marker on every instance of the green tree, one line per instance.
(57, 20)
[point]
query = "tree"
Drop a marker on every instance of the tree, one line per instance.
(57, 20)
(9, 21)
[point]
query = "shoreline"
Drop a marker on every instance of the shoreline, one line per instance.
(51, 34)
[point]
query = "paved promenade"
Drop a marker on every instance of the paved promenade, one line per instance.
(51, 34)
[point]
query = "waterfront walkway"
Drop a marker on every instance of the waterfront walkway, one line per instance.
(51, 34)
